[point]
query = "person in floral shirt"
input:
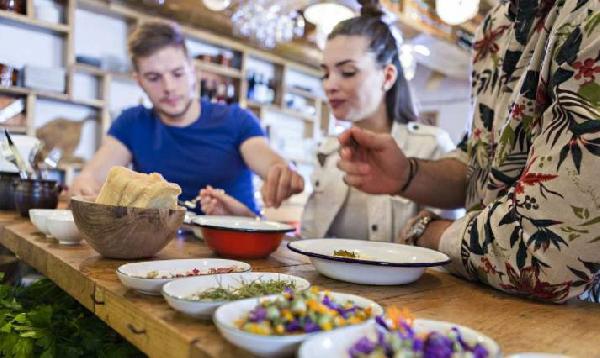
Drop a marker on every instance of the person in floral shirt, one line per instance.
(528, 172)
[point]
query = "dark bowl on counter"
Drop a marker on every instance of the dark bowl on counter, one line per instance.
(36, 194)
(8, 182)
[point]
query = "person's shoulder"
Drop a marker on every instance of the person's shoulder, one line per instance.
(233, 111)
(134, 113)
(433, 135)
(328, 145)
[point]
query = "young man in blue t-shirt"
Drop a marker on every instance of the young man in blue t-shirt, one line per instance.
(196, 144)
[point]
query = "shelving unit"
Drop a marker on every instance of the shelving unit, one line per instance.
(105, 78)
(30, 22)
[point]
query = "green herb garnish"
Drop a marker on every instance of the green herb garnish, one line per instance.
(245, 290)
(346, 253)
(41, 320)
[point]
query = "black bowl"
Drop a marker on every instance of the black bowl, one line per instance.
(8, 182)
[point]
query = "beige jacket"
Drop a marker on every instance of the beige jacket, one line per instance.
(385, 212)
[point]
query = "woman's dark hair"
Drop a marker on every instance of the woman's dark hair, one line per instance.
(398, 99)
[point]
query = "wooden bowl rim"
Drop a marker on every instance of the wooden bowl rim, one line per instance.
(83, 199)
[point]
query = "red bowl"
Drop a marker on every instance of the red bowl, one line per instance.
(241, 237)
(236, 244)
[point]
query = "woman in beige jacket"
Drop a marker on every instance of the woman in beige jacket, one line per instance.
(365, 85)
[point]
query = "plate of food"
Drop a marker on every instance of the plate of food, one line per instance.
(148, 277)
(275, 325)
(368, 262)
(398, 334)
(200, 296)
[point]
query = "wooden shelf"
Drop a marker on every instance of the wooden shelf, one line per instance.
(14, 90)
(33, 23)
(99, 72)
(304, 93)
(218, 69)
(14, 129)
(89, 69)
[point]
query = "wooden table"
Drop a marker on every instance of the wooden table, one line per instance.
(147, 321)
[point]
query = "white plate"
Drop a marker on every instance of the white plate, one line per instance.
(271, 346)
(133, 275)
(177, 292)
(240, 223)
(335, 344)
(379, 263)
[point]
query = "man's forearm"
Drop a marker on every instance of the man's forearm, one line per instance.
(440, 183)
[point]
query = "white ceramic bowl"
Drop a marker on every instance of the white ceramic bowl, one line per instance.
(177, 292)
(379, 263)
(62, 227)
(39, 218)
(133, 275)
(271, 346)
(335, 344)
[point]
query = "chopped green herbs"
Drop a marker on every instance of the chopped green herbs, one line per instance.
(245, 290)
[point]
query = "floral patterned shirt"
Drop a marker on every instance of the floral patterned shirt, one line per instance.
(533, 153)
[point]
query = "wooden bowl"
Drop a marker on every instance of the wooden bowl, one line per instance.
(125, 232)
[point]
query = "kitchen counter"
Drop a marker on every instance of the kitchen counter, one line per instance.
(518, 325)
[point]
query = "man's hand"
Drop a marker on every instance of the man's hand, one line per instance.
(217, 202)
(85, 186)
(372, 162)
(282, 182)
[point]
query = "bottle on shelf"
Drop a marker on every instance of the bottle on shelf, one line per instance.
(251, 86)
(231, 98)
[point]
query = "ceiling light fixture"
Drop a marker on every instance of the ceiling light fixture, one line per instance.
(216, 5)
(455, 12)
(325, 15)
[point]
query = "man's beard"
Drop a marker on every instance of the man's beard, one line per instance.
(177, 115)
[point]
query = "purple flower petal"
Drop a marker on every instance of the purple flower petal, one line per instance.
(293, 326)
(257, 315)
(480, 351)
(310, 326)
(364, 345)
(381, 321)
(438, 346)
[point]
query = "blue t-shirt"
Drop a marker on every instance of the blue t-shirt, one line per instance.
(206, 152)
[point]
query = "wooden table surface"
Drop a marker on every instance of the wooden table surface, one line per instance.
(518, 325)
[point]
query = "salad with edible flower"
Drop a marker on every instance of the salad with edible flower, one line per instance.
(299, 312)
(396, 337)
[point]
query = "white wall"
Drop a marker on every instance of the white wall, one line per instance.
(100, 35)
(21, 46)
(449, 96)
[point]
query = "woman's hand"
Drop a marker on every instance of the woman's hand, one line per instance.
(217, 202)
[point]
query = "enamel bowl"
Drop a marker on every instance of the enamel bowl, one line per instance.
(335, 344)
(241, 236)
(177, 293)
(378, 263)
(272, 346)
(148, 277)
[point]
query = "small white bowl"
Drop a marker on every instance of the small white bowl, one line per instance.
(335, 344)
(62, 227)
(133, 275)
(39, 218)
(272, 346)
(379, 263)
(177, 292)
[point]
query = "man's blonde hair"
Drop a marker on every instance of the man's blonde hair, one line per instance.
(153, 36)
